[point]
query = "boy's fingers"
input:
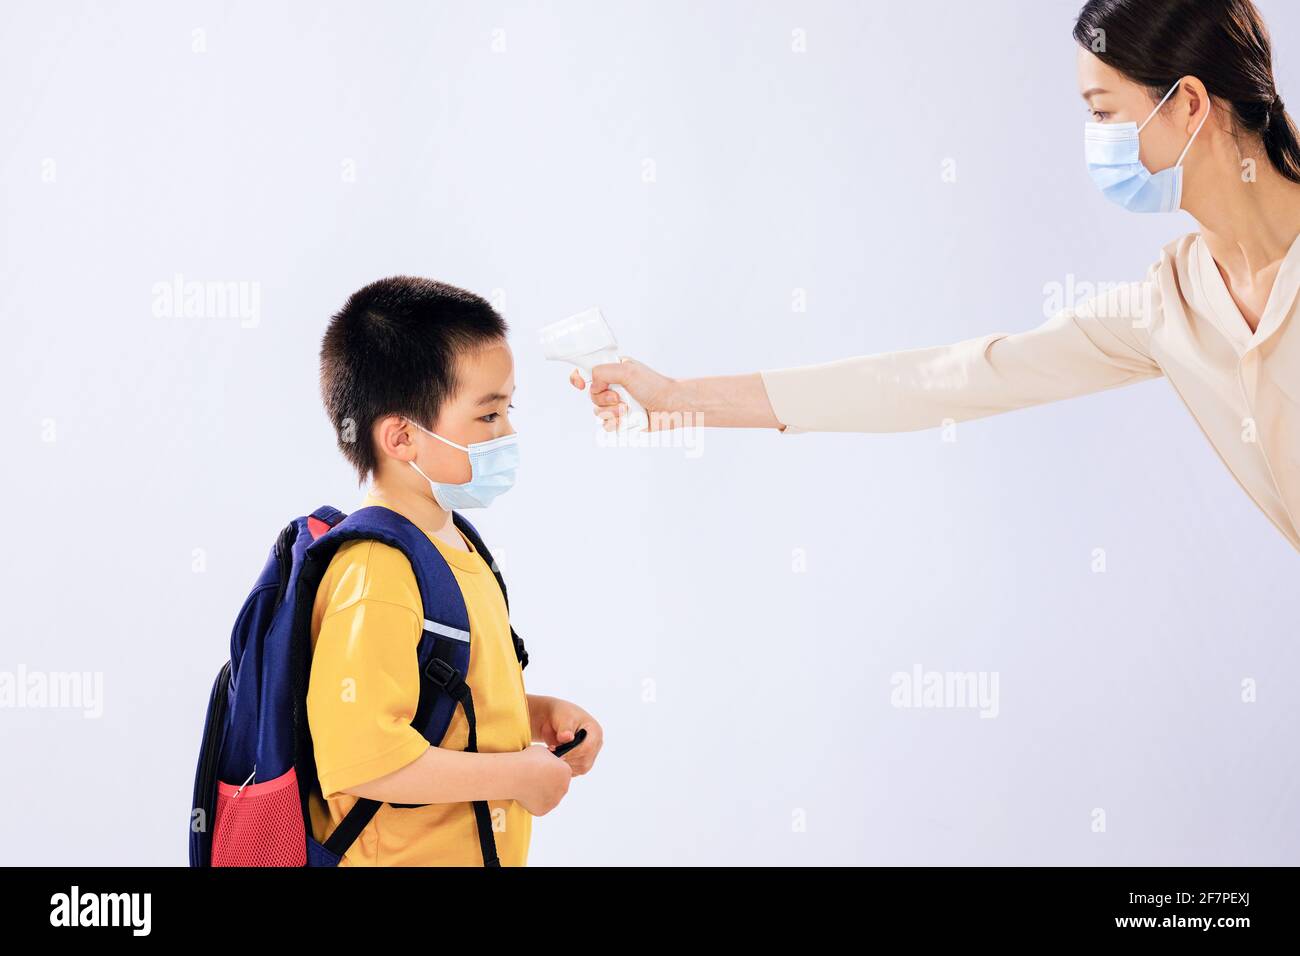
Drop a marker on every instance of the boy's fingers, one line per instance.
(575, 379)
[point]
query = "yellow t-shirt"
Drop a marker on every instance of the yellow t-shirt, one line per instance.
(364, 689)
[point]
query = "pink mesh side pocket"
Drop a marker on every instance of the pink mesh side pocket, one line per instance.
(259, 824)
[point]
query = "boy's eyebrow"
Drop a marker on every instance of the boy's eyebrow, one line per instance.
(494, 397)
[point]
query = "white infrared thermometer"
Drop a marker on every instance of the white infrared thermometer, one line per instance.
(584, 341)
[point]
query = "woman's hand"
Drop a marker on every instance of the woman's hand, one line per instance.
(728, 401)
(652, 390)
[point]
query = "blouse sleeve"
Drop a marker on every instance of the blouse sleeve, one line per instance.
(1101, 343)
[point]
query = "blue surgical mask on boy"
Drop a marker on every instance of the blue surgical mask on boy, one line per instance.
(492, 472)
(1112, 150)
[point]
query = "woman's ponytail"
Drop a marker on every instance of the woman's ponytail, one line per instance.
(1281, 141)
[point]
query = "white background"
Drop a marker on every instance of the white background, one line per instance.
(635, 573)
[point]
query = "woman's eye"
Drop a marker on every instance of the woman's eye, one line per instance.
(1099, 116)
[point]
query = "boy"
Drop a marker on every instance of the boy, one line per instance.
(412, 372)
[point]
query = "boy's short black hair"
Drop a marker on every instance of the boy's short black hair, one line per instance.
(391, 350)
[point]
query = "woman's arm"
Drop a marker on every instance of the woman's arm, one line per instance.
(1097, 345)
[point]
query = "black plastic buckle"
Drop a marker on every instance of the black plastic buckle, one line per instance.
(444, 675)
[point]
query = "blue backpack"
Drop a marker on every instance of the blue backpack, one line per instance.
(256, 765)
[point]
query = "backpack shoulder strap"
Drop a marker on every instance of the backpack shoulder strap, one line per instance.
(521, 652)
(444, 646)
(323, 519)
(442, 653)
(439, 592)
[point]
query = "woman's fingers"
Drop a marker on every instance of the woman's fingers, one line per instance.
(608, 404)
(609, 416)
(605, 396)
(612, 373)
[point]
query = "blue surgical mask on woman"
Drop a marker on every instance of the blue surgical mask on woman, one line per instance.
(1112, 152)
(492, 472)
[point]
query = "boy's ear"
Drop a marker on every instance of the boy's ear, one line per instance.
(393, 438)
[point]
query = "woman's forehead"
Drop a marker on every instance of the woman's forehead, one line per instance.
(1096, 77)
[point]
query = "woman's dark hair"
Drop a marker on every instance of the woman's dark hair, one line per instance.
(1223, 43)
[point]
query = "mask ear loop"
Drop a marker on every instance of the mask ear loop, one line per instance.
(1194, 135)
(420, 470)
(441, 439)
(1158, 105)
(445, 441)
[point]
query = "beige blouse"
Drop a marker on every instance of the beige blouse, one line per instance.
(1243, 388)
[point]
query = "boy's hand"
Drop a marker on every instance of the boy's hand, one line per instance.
(543, 780)
(560, 723)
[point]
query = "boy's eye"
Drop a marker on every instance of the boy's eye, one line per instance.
(490, 417)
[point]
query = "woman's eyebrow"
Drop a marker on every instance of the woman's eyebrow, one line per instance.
(1092, 92)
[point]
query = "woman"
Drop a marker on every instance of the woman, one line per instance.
(1182, 87)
